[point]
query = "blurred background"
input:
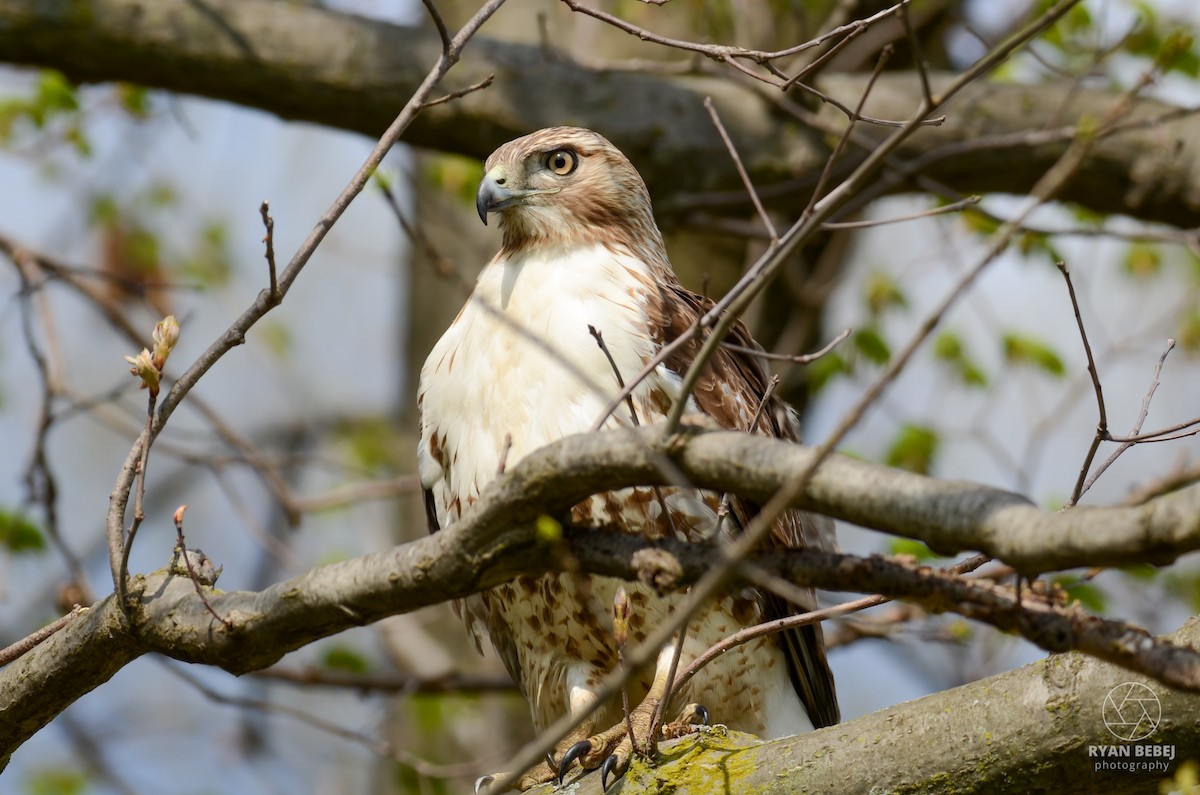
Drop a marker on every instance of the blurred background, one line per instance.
(297, 449)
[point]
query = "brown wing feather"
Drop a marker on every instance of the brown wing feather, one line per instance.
(729, 391)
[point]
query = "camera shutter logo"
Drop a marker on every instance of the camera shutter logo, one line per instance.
(1131, 711)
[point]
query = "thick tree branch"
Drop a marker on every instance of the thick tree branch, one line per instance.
(304, 62)
(496, 541)
(1027, 730)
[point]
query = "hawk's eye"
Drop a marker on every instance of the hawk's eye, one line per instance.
(562, 162)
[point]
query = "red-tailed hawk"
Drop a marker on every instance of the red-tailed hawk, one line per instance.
(581, 249)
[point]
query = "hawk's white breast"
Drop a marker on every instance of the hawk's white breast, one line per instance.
(519, 361)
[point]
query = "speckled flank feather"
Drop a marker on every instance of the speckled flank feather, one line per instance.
(590, 254)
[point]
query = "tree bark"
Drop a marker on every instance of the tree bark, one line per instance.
(1023, 731)
(310, 64)
(497, 540)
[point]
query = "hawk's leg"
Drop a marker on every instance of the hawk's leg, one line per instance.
(610, 750)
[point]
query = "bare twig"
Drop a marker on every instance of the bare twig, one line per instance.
(440, 24)
(698, 365)
(139, 513)
(269, 243)
(399, 684)
(599, 337)
(953, 207)
(267, 300)
(843, 139)
(462, 92)
(1134, 436)
(182, 550)
(725, 311)
(741, 169)
(40, 479)
(12, 652)
(802, 358)
(1102, 423)
(917, 55)
(381, 747)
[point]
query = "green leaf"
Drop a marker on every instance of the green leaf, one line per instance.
(1143, 572)
(276, 336)
(979, 223)
(1176, 53)
(949, 348)
(910, 547)
(57, 781)
(134, 99)
(343, 658)
(142, 251)
(820, 372)
(1086, 593)
(1022, 349)
(871, 344)
(1086, 215)
(1188, 334)
(372, 443)
(210, 263)
(458, 176)
(913, 449)
(1142, 261)
(55, 93)
(882, 293)
(19, 534)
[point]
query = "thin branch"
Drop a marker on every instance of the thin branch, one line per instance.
(1179, 477)
(778, 625)
(917, 55)
(236, 333)
(139, 513)
(708, 350)
(12, 652)
(1135, 436)
(494, 541)
(380, 747)
(462, 92)
(398, 684)
(356, 493)
(953, 207)
(1160, 434)
(1102, 423)
(599, 337)
(182, 551)
(725, 311)
(843, 139)
(741, 169)
(802, 358)
(269, 242)
(440, 24)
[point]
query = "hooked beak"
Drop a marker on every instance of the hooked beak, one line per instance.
(494, 195)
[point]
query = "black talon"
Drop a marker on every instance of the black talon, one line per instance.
(702, 713)
(550, 761)
(581, 748)
(606, 767)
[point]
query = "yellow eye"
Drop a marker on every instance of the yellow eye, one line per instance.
(562, 162)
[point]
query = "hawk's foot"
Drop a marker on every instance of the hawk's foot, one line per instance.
(690, 719)
(538, 775)
(611, 750)
(593, 751)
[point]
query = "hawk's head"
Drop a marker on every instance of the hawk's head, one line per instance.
(565, 185)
